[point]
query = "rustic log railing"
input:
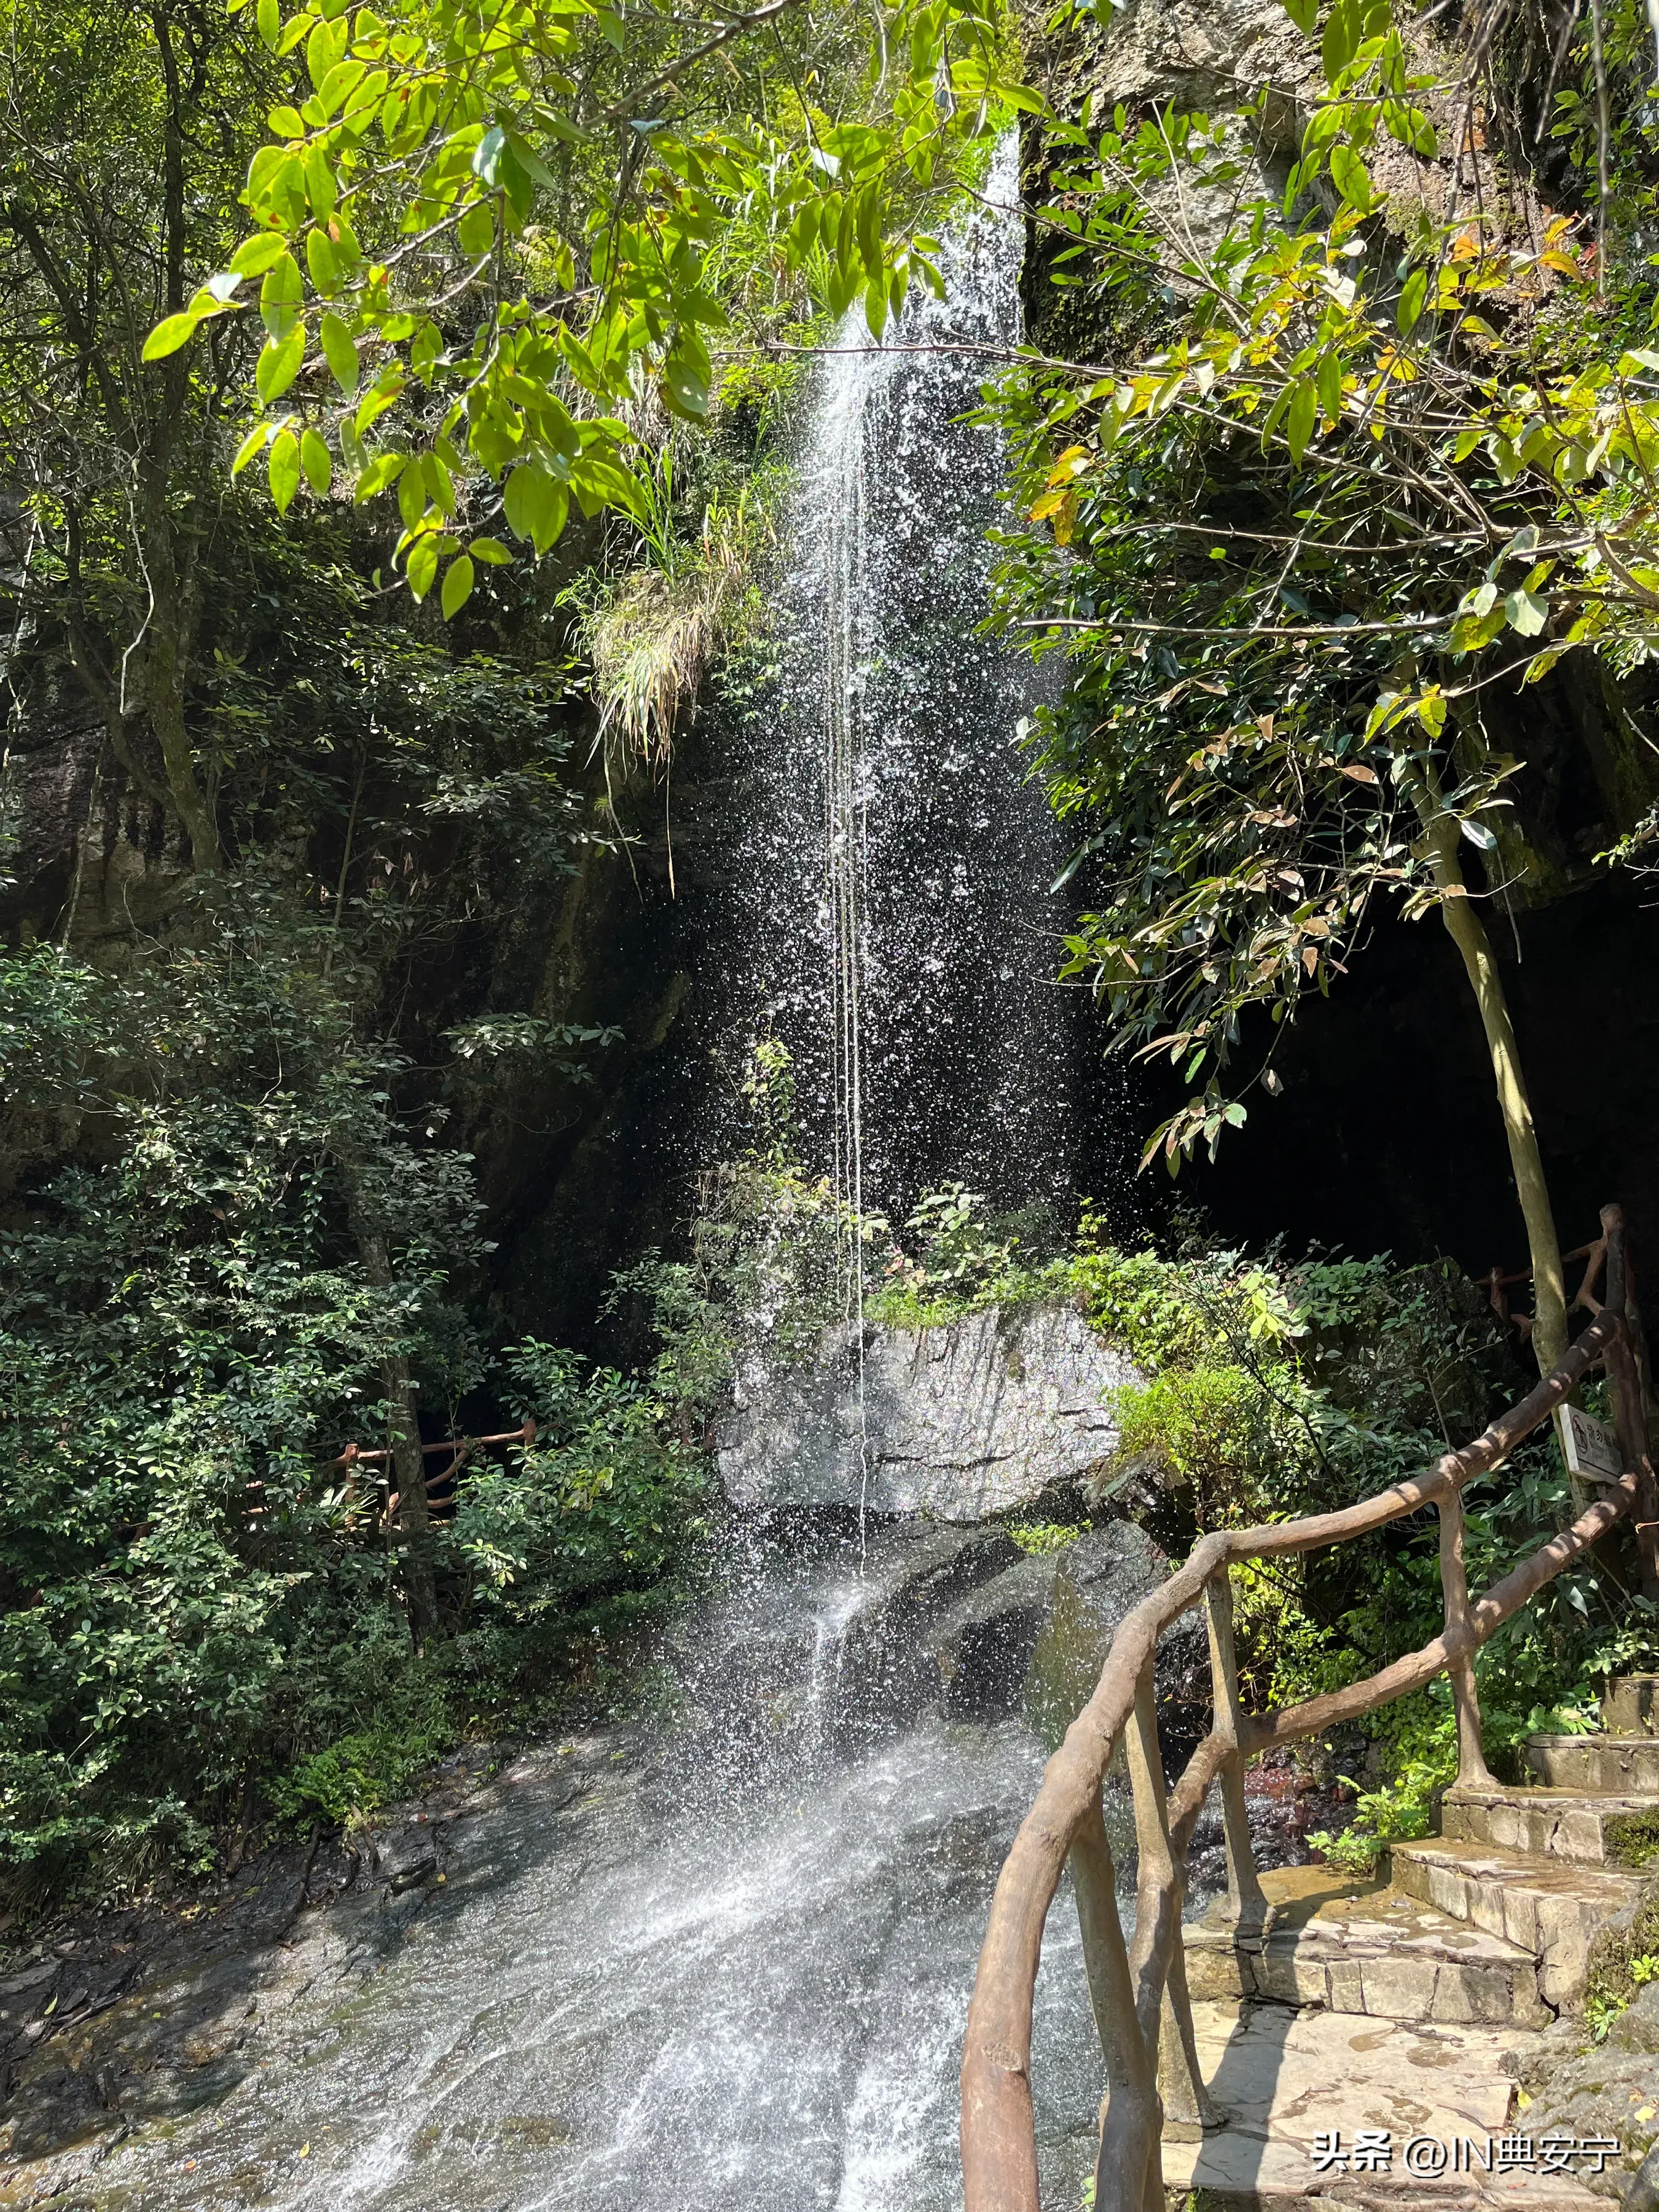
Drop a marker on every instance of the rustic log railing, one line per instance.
(463, 1448)
(1138, 1992)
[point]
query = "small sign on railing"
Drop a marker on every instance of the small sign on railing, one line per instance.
(1591, 1446)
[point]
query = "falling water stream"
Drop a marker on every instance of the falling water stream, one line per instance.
(892, 917)
(721, 1961)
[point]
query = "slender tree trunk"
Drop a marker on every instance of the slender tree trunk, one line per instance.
(414, 1516)
(414, 1509)
(166, 662)
(1468, 933)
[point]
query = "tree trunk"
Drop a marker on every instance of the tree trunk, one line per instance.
(166, 663)
(414, 1514)
(1468, 933)
(414, 1511)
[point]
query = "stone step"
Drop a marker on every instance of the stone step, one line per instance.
(1599, 1765)
(1286, 2083)
(1550, 1908)
(1359, 1947)
(1631, 1706)
(1553, 1824)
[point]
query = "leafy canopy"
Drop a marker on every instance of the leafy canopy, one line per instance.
(1377, 448)
(486, 237)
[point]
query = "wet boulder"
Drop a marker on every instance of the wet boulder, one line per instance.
(976, 1417)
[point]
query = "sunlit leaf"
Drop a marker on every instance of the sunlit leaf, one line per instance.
(284, 470)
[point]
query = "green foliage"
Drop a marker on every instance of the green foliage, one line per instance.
(195, 1313)
(772, 1253)
(1039, 1539)
(1624, 1959)
(590, 195)
(1418, 1737)
(1359, 462)
(1633, 1839)
(605, 1496)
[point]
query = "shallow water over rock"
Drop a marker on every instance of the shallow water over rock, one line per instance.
(720, 1962)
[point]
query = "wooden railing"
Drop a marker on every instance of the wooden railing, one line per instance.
(462, 1447)
(1139, 1991)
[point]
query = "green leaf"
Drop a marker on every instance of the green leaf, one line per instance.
(1353, 178)
(421, 566)
(316, 462)
(340, 352)
(319, 260)
(490, 549)
(458, 586)
(385, 468)
(1303, 14)
(687, 373)
(256, 254)
(254, 443)
(1413, 294)
(1341, 40)
(486, 155)
(411, 494)
(475, 232)
(284, 470)
(536, 506)
(268, 17)
(281, 295)
(321, 189)
(285, 123)
(1299, 420)
(1330, 387)
(1528, 613)
(279, 364)
(169, 335)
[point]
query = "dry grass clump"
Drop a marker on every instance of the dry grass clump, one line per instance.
(651, 644)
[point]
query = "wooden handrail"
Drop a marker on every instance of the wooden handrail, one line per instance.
(999, 2150)
(355, 1456)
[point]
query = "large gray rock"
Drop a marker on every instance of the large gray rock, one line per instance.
(969, 1418)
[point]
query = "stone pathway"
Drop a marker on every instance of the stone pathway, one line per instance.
(1294, 2082)
(1413, 2009)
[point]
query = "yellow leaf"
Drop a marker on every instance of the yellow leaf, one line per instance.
(1071, 463)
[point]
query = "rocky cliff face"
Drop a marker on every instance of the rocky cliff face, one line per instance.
(957, 1422)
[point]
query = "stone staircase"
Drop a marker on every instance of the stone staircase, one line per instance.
(1487, 1926)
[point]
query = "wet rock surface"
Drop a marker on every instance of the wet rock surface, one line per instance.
(125, 2023)
(973, 1417)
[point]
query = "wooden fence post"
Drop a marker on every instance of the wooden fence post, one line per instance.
(1161, 2000)
(1472, 1769)
(1130, 2077)
(1247, 1902)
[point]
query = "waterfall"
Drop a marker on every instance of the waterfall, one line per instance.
(894, 921)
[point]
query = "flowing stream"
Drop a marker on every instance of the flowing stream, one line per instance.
(721, 1963)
